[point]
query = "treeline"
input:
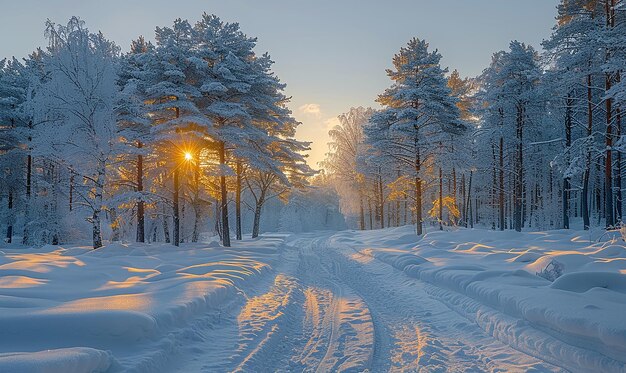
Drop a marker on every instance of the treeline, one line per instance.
(153, 142)
(533, 142)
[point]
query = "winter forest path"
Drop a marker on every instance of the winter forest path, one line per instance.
(332, 308)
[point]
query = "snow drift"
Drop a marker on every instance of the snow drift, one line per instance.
(122, 307)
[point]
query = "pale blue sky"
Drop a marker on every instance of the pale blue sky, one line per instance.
(331, 53)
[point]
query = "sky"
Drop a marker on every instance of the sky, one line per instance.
(332, 54)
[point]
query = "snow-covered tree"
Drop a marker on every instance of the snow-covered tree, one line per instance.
(419, 110)
(512, 104)
(16, 161)
(74, 110)
(345, 149)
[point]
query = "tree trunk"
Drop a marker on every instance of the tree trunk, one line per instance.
(587, 173)
(224, 196)
(568, 144)
(141, 223)
(10, 225)
(176, 228)
(97, 235)
(115, 226)
(381, 200)
(361, 211)
(166, 228)
(196, 200)
(371, 214)
(440, 199)
(257, 215)
(463, 212)
(609, 213)
(519, 180)
(501, 188)
(176, 221)
(618, 171)
(29, 173)
(494, 185)
(405, 222)
(238, 201)
(418, 192)
(397, 213)
(71, 201)
(218, 220)
(468, 205)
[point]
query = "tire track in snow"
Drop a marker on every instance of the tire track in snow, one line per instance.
(346, 328)
(443, 340)
(329, 310)
(305, 320)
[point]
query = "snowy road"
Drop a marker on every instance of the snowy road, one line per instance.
(331, 308)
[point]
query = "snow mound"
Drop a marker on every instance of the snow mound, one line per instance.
(580, 282)
(57, 361)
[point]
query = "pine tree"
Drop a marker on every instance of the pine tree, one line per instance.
(419, 110)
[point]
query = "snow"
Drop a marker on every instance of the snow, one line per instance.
(62, 360)
(117, 300)
(497, 272)
(383, 300)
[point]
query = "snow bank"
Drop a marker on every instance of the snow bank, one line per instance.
(74, 303)
(63, 360)
(506, 276)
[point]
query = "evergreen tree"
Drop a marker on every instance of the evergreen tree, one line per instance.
(419, 109)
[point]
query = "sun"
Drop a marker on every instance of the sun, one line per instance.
(188, 156)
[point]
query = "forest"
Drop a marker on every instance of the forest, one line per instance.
(149, 145)
(193, 134)
(162, 209)
(535, 142)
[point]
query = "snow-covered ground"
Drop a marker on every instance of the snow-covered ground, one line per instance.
(118, 307)
(463, 300)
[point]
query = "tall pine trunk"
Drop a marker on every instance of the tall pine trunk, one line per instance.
(502, 221)
(469, 222)
(519, 179)
(440, 199)
(587, 173)
(568, 144)
(71, 197)
(238, 201)
(176, 208)
(418, 192)
(618, 171)
(176, 222)
(463, 214)
(196, 200)
(141, 223)
(381, 199)
(166, 228)
(609, 211)
(494, 184)
(10, 225)
(29, 173)
(224, 196)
